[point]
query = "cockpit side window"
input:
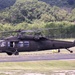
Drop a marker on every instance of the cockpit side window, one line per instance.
(3, 44)
(8, 44)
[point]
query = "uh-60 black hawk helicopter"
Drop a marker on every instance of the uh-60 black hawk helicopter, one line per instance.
(28, 43)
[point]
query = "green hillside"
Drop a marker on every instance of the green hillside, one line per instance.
(30, 10)
(33, 14)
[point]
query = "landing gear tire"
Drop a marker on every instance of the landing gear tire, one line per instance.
(9, 53)
(70, 50)
(58, 50)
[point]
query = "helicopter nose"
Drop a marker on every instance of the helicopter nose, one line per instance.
(74, 42)
(0, 51)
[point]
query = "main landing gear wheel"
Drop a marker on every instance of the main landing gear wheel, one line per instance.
(9, 53)
(58, 50)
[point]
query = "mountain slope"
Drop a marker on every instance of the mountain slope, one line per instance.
(31, 10)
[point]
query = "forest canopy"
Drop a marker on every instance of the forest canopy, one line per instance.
(32, 14)
(30, 10)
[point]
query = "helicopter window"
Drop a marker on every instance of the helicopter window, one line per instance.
(11, 44)
(8, 44)
(26, 43)
(3, 44)
(20, 44)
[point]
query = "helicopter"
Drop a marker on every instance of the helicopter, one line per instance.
(27, 43)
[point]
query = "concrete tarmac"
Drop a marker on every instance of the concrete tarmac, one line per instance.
(37, 57)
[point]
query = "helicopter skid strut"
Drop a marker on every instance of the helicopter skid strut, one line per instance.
(16, 53)
(69, 50)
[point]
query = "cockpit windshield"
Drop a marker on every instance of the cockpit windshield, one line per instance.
(2, 44)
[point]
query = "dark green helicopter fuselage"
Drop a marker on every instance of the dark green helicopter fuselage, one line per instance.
(14, 45)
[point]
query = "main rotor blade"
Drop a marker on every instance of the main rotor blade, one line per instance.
(8, 31)
(33, 30)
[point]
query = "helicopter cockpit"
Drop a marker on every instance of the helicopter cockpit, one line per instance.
(2, 43)
(7, 44)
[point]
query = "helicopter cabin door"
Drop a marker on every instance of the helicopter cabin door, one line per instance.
(11, 44)
(11, 47)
